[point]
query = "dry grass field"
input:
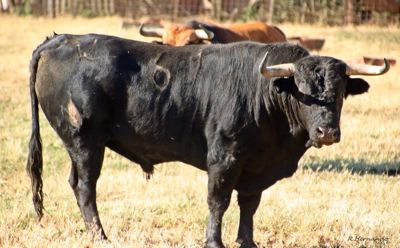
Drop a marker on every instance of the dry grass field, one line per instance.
(340, 197)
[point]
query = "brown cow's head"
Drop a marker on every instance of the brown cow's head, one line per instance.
(318, 86)
(176, 35)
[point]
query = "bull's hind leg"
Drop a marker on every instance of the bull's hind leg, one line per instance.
(86, 165)
(248, 205)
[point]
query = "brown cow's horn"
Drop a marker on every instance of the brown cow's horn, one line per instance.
(151, 30)
(201, 34)
(362, 69)
(281, 70)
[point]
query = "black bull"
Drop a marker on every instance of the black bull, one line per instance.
(220, 108)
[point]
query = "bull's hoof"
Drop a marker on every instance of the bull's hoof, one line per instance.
(246, 243)
(97, 232)
(214, 244)
(103, 237)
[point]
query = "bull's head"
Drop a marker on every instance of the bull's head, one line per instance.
(177, 35)
(320, 85)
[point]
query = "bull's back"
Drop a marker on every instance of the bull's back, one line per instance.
(139, 97)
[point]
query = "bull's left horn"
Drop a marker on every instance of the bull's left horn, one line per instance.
(280, 70)
(368, 70)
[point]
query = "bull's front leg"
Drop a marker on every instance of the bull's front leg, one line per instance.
(221, 181)
(248, 204)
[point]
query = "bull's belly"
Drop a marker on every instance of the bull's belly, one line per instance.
(265, 167)
(252, 182)
(150, 149)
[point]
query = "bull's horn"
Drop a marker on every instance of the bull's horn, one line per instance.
(203, 34)
(151, 30)
(281, 70)
(362, 69)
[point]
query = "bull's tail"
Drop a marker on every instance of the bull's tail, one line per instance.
(34, 164)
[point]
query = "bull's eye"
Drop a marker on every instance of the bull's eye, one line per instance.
(320, 80)
(320, 83)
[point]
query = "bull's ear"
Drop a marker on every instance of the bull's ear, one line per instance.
(284, 84)
(356, 86)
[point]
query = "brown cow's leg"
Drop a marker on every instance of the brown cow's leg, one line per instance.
(221, 181)
(85, 170)
(248, 205)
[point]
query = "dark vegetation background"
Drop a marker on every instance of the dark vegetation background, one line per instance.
(331, 12)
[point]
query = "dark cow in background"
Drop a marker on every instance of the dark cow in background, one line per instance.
(244, 112)
(195, 32)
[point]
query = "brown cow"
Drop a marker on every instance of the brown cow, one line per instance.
(195, 32)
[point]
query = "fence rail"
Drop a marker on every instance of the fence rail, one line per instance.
(334, 12)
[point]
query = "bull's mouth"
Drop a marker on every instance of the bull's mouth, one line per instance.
(317, 143)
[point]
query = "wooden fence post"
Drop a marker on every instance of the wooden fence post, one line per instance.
(51, 10)
(217, 9)
(271, 11)
(175, 11)
(111, 5)
(349, 11)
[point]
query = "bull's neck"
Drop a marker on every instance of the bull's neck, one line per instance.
(285, 108)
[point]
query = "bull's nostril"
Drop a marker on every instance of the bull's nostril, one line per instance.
(320, 132)
(327, 135)
(336, 135)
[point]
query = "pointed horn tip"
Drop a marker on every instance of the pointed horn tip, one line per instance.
(382, 69)
(141, 29)
(261, 68)
(368, 70)
(387, 66)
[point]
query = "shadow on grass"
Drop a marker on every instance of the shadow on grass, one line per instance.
(359, 167)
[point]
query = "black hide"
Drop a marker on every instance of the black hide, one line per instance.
(208, 106)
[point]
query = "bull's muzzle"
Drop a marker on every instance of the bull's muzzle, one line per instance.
(327, 135)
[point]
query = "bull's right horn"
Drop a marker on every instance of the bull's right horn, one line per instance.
(280, 70)
(151, 30)
(368, 70)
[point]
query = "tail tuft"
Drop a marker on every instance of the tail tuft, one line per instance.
(34, 169)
